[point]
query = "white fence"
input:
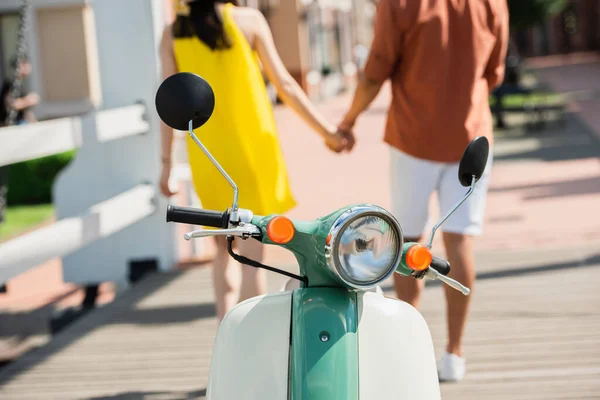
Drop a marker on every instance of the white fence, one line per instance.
(108, 212)
(75, 232)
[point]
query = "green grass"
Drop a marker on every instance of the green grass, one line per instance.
(519, 100)
(20, 219)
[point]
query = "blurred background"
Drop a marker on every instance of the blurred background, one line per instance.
(93, 281)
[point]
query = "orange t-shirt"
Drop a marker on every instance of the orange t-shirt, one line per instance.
(444, 57)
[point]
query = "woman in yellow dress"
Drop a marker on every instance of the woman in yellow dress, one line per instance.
(224, 43)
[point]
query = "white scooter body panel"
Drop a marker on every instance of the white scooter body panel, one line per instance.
(396, 355)
(251, 351)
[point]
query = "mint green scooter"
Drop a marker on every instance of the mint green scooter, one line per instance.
(333, 337)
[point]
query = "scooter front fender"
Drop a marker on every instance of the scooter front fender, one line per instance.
(384, 349)
(395, 351)
(251, 351)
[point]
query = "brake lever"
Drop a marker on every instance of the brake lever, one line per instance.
(244, 231)
(432, 274)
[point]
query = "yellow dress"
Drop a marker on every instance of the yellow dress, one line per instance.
(241, 133)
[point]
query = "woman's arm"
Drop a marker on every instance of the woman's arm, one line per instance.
(288, 89)
(169, 67)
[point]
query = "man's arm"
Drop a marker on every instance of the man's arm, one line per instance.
(494, 71)
(382, 61)
(365, 93)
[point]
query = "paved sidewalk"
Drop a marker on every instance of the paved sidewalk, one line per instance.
(532, 335)
(575, 73)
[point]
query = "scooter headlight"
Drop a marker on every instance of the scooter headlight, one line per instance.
(364, 246)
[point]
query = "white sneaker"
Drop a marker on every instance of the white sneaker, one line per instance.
(451, 368)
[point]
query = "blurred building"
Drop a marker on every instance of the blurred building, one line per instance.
(61, 45)
(576, 29)
(316, 40)
(320, 40)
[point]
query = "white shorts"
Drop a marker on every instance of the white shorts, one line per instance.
(413, 182)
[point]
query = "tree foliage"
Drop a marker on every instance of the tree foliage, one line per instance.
(528, 13)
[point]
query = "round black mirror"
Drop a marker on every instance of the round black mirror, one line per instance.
(183, 97)
(473, 161)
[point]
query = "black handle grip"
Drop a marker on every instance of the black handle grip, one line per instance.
(194, 216)
(440, 265)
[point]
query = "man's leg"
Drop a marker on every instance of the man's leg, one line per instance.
(407, 288)
(459, 250)
(459, 230)
(412, 182)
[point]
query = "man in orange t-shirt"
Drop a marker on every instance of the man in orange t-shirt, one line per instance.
(444, 58)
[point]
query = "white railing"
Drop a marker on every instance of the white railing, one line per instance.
(107, 209)
(78, 230)
(26, 142)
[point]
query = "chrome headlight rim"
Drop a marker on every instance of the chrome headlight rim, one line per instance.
(338, 228)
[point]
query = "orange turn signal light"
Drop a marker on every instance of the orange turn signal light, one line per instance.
(280, 230)
(418, 257)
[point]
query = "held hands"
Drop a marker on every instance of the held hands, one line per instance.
(343, 138)
(340, 140)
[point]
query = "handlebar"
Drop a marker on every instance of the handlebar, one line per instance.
(440, 265)
(194, 216)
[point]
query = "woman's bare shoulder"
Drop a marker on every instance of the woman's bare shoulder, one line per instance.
(249, 20)
(245, 13)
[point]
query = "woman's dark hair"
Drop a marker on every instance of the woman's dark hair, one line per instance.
(204, 22)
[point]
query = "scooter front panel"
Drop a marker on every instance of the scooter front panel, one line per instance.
(395, 351)
(251, 352)
(324, 364)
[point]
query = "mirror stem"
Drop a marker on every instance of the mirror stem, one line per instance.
(234, 208)
(435, 228)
